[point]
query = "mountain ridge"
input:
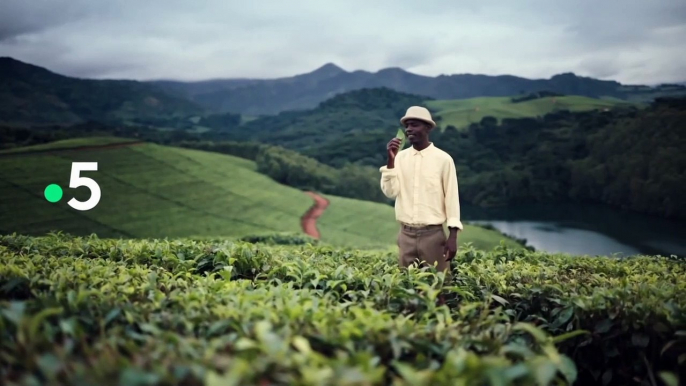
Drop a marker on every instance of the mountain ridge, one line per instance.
(303, 91)
(30, 93)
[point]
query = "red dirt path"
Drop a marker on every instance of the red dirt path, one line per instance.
(309, 219)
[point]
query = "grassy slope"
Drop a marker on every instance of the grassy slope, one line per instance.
(462, 112)
(156, 191)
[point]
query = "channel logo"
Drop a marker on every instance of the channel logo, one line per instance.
(53, 192)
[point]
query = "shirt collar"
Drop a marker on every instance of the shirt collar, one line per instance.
(423, 152)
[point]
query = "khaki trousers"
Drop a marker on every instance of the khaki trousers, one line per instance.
(423, 245)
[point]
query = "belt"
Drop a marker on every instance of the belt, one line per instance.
(420, 227)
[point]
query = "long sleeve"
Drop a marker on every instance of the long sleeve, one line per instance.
(452, 196)
(389, 182)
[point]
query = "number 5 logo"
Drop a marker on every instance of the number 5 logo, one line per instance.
(76, 180)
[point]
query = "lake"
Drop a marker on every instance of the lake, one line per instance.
(584, 229)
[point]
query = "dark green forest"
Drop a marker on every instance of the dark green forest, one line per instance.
(628, 158)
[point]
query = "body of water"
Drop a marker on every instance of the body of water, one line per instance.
(584, 229)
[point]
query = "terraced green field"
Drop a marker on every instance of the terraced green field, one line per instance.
(462, 112)
(153, 191)
(150, 191)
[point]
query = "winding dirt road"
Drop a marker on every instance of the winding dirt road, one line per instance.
(309, 219)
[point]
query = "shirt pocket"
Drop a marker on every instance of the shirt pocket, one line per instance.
(433, 181)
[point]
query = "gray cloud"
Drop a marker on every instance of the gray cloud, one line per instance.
(631, 41)
(20, 17)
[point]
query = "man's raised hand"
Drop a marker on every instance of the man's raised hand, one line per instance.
(392, 147)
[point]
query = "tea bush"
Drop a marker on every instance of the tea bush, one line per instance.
(91, 311)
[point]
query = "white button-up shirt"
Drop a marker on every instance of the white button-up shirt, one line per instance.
(424, 186)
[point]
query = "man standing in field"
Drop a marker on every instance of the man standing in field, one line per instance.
(423, 181)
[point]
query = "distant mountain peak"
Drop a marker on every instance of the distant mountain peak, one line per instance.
(329, 69)
(391, 70)
(7, 61)
(569, 75)
(13, 67)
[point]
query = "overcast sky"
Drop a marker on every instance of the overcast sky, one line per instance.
(631, 41)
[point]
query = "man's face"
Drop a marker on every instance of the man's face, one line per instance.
(416, 131)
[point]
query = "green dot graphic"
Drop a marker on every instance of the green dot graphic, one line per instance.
(53, 193)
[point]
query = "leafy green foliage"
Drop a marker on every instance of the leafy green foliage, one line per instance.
(282, 238)
(98, 311)
(401, 135)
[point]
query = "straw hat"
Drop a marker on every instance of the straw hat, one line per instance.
(418, 112)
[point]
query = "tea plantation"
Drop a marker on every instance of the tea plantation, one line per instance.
(154, 191)
(92, 311)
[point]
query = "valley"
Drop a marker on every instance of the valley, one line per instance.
(536, 147)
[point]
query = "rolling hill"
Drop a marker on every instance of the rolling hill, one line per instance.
(32, 95)
(154, 191)
(460, 113)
